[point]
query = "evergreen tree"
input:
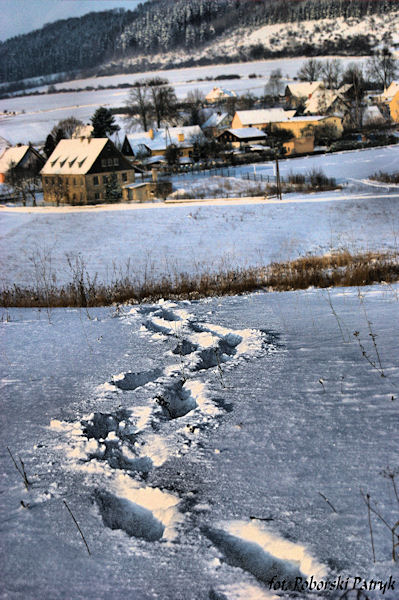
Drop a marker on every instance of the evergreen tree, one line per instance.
(49, 146)
(113, 192)
(103, 122)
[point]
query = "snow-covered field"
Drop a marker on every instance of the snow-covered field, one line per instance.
(158, 240)
(346, 167)
(207, 450)
(43, 112)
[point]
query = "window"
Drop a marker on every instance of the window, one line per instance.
(95, 180)
(97, 196)
(109, 162)
(74, 181)
(124, 176)
(105, 179)
(116, 162)
(103, 162)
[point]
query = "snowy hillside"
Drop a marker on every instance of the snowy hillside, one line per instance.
(324, 36)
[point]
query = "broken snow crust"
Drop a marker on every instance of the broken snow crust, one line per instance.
(208, 478)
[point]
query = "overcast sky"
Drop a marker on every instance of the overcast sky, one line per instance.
(22, 16)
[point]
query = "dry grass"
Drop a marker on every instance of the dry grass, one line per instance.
(339, 269)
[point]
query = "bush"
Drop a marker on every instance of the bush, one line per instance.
(386, 177)
(319, 181)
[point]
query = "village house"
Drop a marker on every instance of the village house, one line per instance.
(328, 102)
(216, 123)
(241, 137)
(218, 94)
(22, 159)
(297, 125)
(78, 171)
(302, 128)
(153, 143)
(388, 102)
(261, 118)
(298, 93)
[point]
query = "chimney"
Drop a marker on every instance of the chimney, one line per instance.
(180, 137)
(151, 134)
(154, 175)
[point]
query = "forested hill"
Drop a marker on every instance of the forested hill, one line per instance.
(157, 26)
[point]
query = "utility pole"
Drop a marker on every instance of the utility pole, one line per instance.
(278, 180)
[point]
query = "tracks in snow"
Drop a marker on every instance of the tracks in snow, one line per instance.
(171, 406)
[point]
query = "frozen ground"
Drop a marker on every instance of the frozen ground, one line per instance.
(41, 113)
(193, 442)
(165, 239)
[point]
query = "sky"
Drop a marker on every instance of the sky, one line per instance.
(22, 16)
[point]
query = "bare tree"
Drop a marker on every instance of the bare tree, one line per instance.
(195, 101)
(310, 70)
(331, 73)
(274, 85)
(382, 67)
(355, 95)
(139, 105)
(65, 128)
(163, 99)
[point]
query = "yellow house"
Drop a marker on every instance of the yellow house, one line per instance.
(297, 124)
(393, 104)
(390, 101)
(78, 171)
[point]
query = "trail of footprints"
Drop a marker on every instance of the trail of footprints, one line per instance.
(178, 404)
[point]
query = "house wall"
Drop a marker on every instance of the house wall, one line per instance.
(96, 191)
(81, 189)
(394, 108)
(59, 189)
(301, 145)
(296, 127)
(236, 122)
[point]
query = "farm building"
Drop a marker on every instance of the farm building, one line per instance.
(242, 137)
(22, 159)
(79, 171)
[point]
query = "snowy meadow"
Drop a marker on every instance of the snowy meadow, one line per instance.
(208, 450)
